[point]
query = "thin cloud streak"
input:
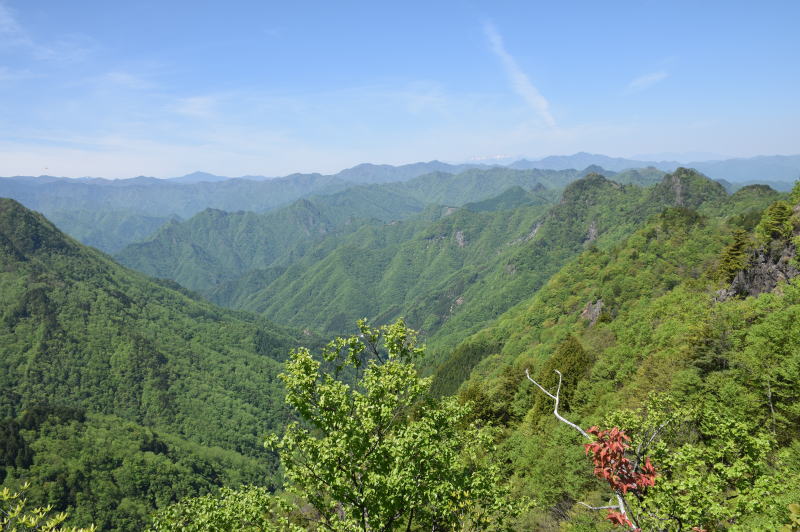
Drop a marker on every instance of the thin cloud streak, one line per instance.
(519, 80)
(11, 33)
(648, 80)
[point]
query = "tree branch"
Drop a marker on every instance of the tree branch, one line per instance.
(621, 506)
(614, 507)
(624, 511)
(556, 399)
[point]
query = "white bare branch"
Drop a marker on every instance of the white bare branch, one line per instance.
(556, 398)
(550, 395)
(613, 507)
(621, 505)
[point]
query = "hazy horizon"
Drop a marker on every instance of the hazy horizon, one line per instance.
(486, 161)
(119, 90)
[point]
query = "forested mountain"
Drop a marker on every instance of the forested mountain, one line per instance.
(109, 231)
(216, 247)
(668, 305)
(680, 331)
(156, 197)
(671, 311)
(109, 214)
(92, 353)
(446, 276)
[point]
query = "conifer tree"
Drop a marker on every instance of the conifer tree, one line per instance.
(734, 256)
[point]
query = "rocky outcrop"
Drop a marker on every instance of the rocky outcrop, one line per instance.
(765, 269)
(592, 311)
(460, 239)
(591, 234)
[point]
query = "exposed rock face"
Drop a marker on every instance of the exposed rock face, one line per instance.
(676, 185)
(591, 312)
(529, 236)
(460, 240)
(457, 303)
(765, 269)
(591, 234)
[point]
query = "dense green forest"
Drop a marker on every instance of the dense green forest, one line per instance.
(91, 353)
(658, 305)
(447, 270)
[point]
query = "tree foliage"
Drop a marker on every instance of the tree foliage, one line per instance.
(17, 516)
(374, 452)
(775, 223)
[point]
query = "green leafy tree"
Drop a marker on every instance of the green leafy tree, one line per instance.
(572, 360)
(16, 516)
(734, 256)
(794, 517)
(249, 509)
(775, 223)
(794, 198)
(374, 451)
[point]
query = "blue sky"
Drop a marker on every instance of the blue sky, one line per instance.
(163, 88)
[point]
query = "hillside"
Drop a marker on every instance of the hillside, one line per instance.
(214, 248)
(90, 342)
(111, 214)
(653, 314)
(450, 277)
(109, 231)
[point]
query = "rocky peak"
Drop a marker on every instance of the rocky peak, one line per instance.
(686, 187)
(765, 269)
(591, 233)
(585, 189)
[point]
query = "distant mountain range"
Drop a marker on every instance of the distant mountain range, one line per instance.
(762, 168)
(112, 213)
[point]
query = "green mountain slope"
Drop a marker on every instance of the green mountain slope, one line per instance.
(110, 214)
(646, 315)
(215, 248)
(81, 328)
(109, 231)
(478, 184)
(680, 188)
(452, 276)
(157, 197)
(79, 331)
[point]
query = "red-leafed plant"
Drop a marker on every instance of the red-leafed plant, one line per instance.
(607, 452)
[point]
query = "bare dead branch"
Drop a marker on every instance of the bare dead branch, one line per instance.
(613, 507)
(621, 506)
(556, 398)
(550, 395)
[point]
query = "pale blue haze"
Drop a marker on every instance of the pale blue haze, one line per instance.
(118, 89)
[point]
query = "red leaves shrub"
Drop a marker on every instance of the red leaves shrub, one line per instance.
(610, 463)
(617, 518)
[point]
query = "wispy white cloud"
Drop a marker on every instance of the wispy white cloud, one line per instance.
(7, 74)
(64, 50)
(11, 32)
(646, 81)
(519, 80)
